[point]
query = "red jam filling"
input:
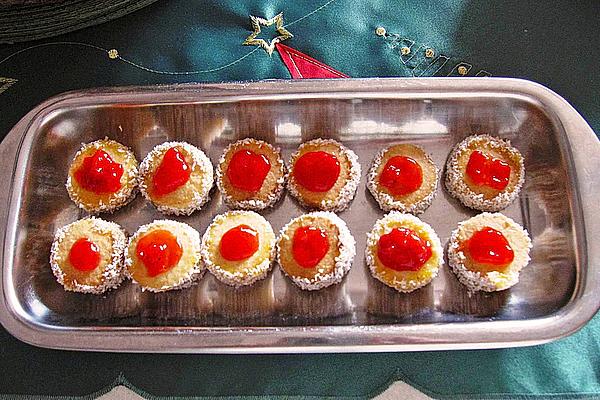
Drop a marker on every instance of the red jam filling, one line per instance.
(238, 243)
(401, 175)
(172, 173)
(247, 170)
(488, 171)
(84, 255)
(159, 250)
(309, 246)
(489, 246)
(317, 171)
(403, 250)
(98, 173)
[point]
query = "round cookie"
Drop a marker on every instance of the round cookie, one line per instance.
(176, 177)
(87, 256)
(403, 252)
(164, 255)
(102, 176)
(485, 173)
(403, 178)
(238, 247)
(316, 250)
(251, 175)
(488, 251)
(324, 175)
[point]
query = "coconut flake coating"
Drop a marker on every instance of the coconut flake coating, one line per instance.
(384, 226)
(191, 249)
(343, 262)
(386, 201)
(494, 280)
(112, 274)
(118, 199)
(200, 193)
(255, 203)
(347, 192)
(458, 188)
(248, 275)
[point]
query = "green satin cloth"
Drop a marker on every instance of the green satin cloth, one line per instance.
(554, 44)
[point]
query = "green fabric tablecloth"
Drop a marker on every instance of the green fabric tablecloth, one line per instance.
(555, 44)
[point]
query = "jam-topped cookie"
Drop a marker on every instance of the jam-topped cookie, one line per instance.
(102, 176)
(485, 173)
(316, 250)
(176, 177)
(238, 247)
(488, 251)
(87, 256)
(164, 255)
(403, 252)
(404, 178)
(324, 175)
(251, 175)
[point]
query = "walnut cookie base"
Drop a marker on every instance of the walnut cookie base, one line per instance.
(110, 239)
(188, 198)
(341, 194)
(489, 199)
(334, 265)
(96, 203)
(273, 184)
(491, 281)
(413, 203)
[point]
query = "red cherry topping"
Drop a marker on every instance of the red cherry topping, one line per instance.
(487, 170)
(238, 243)
(159, 250)
(84, 255)
(309, 246)
(401, 175)
(489, 246)
(403, 250)
(247, 170)
(98, 173)
(317, 171)
(172, 173)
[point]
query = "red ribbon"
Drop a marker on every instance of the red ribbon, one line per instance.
(302, 66)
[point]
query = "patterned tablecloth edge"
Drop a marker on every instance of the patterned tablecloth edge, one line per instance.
(381, 390)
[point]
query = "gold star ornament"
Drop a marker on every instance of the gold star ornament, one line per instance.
(5, 83)
(270, 46)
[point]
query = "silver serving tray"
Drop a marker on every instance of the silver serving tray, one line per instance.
(558, 292)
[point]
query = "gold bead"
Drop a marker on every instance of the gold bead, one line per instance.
(113, 53)
(405, 50)
(462, 70)
(380, 31)
(429, 53)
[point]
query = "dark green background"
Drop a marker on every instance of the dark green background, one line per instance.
(554, 43)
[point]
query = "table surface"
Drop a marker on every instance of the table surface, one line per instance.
(182, 41)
